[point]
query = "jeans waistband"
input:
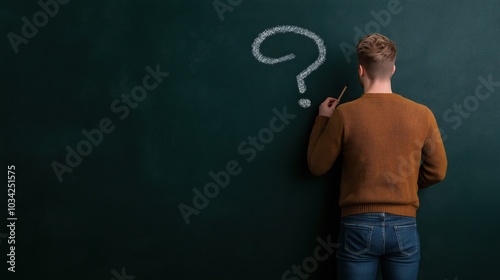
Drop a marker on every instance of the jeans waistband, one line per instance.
(378, 219)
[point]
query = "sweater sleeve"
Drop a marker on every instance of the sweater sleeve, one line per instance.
(434, 162)
(325, 143)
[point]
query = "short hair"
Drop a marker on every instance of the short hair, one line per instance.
(377, 54)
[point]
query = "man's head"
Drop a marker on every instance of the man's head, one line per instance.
(376, 57)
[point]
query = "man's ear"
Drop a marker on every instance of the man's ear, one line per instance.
(361, 70)
(393, 69)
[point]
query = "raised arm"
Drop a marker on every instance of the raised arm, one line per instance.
(325, 139)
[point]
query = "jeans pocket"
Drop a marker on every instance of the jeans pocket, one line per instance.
(408, 240)
(357, 238)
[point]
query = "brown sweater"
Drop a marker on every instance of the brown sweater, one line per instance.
(390, 146)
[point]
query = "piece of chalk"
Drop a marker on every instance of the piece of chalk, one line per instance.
(342, 93)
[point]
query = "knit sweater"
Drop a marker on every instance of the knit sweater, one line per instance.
(390, 147)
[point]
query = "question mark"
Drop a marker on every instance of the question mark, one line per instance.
(304, 102)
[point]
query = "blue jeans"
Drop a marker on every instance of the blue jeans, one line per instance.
(365, 239)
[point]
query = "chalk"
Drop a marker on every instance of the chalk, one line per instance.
(297, 30)
(304, 102)
(340, 96)
(342, 93)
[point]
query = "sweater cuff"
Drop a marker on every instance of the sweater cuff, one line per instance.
(322, 120)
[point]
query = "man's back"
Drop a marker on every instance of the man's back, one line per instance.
(382, 138)
(391, 147)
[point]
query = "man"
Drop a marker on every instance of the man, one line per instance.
(391, 147)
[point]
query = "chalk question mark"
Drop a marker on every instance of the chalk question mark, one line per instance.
(304, 102)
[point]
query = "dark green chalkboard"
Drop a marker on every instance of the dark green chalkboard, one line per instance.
(141, 105)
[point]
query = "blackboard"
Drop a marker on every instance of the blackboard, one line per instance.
(119, 116)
